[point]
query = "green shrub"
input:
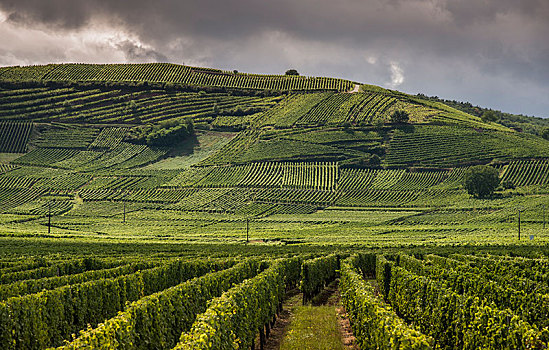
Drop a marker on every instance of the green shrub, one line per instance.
(316, 273)
(489, 116)
(167, 133)
(400, 117)
(292, 72)
(233, 320)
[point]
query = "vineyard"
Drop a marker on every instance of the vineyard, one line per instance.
(218, 303)
(160, 206)
(169, 73)
(14, 136)
(70, 165)
(525, 173)
(460, 301)
(450, 146)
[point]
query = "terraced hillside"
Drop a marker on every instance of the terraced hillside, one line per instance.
(159, 206)
(169, 73)
(191, 153)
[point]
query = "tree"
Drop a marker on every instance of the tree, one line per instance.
(374, 160)
(400, 117)
(508, 185)
(481, 181)
(545, 133)
(489, 116)
(67, 105)
(166, 133)
(215, 109)
(292, 72)
(131, 107)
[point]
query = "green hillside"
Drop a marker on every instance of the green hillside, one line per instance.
(159, 206)
(191, 154)
(169, 73)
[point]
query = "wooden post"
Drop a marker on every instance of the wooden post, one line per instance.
(305, 277)
(519, 224)
(261, 337)
(49, 218)
(247, 230)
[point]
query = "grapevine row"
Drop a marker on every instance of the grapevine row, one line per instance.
(157, 321)
(171, 73)
(373, 321)
(234, 319)
(36, 321)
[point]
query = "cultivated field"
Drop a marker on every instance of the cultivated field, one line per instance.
(160, 206)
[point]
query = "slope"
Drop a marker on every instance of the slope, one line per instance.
(299, 156)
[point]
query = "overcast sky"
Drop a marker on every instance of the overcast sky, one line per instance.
(494, 53)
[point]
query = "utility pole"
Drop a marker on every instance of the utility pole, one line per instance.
(519, 223)
(250, 201)
(49, 218)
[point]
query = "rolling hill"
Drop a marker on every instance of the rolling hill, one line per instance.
(192, 153)
(158, 206)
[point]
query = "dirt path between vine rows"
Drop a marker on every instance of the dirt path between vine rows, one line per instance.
(282, 322)
(330, 296)
(334, 298)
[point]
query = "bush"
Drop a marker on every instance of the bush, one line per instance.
(167, 133)
(508, 185)
(373, 321)
(400, 117)
(131, 108)
(292, 72)
(240, 111)
(481, 181)
(374, 160)
(215, 109)
(489, 116)
(545, 133)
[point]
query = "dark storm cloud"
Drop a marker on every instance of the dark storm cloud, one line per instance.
(453, 46)
(137, 53)
(57, 13)
(467, 12)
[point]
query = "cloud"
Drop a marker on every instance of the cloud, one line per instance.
(371, 59)
(440, 45)
(397, 75)
(98, 43)
(137, 52)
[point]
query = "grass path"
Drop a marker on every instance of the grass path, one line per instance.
(320, 326)
(313, 327)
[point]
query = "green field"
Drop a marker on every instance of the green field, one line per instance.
(277, 173)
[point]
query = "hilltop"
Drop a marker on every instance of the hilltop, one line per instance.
(529, 124)
(301, 156)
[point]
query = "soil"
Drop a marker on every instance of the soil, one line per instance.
(347, 336)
